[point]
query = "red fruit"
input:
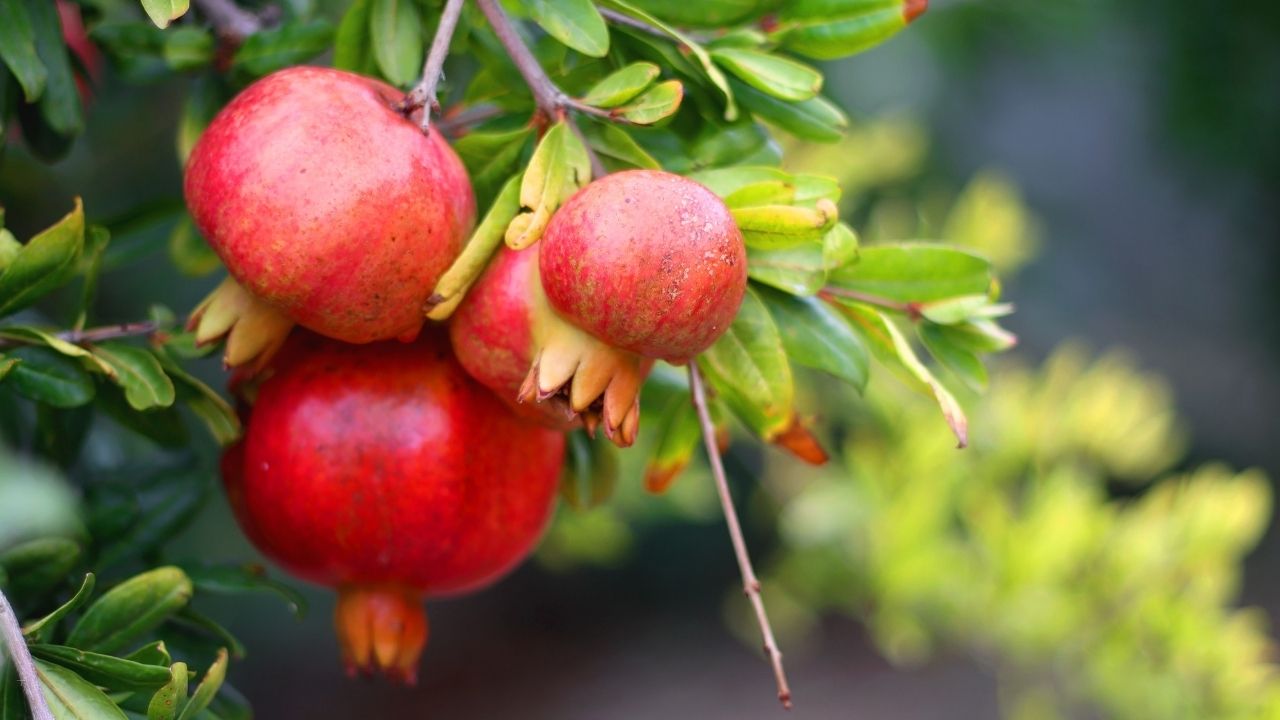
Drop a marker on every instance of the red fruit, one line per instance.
(328, 203)
(386, 472)
(506, 336)
(647, 261)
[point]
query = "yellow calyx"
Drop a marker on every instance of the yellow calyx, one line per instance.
(254, 330)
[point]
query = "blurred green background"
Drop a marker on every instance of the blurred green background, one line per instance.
(1119, 161)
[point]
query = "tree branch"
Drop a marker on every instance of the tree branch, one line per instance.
(92, 335)
(423, 94)
(231, 20)
(750, 584)
(25, 666)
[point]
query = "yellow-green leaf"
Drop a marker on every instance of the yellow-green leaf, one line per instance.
(781, 77)
(622, 85)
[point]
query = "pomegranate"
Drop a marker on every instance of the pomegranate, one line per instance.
(386, 472)
(328, 204)
(647, 261)
(508, 337)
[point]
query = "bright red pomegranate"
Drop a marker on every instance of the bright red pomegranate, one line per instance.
(647, 261)
(508, 337)
(386, 472)
(326, 202)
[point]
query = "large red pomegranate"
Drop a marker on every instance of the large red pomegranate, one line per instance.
(386, 472)
(328, 203)
(509, 338)
(647, 261)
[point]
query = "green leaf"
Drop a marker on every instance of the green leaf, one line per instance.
(807, 189)
(60, 103)
(657, 103)
(229, 704)
(396, 34)
(18, 49)
(716, 14)
(491, 157)
(953, 356)
(139, 373)
(105, 671)
(915, 273)
(188, 48)
(154, 653)
(590, 473)
(617, 147)
(208, 687)
(768, 192)
(163, 12)
(37, 566)
(827, 30)
(979, 336)
(192, 620)
(575, 23)
(815, 335)
(351, 45)
(798, 270)
(749, 368)
(49, 377)
(7, 364)
(267, 51)
(47, 261)
(773, 227)
(559, 167)
(242, 579)
(13, 705)
(71, 697)
(171, 504)
(162, 426)
(217, 415)
(170, 699)
(892, 348)
(9, 248)
(622, 85)
(681, 433)
(40, 630)
(131, 609)
(189, 252)
(96, 240)
(815, 119)
(781, 77)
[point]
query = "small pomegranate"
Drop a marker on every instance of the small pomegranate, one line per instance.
(508, 337)
(647, 261)
(328, 204)
(386, 472)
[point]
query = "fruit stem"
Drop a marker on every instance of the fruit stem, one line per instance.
(423, 95)
(231, 20)
(750, 583)
(553, 104)
(92, 335)
(22, 661)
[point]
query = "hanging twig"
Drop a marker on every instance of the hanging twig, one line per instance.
(423, 94)
(750, 584)
(25, 666)
(231, 20)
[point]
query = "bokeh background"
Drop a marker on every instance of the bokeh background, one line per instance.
(1121, 160)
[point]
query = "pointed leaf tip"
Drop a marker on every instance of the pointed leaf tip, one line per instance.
(914, 9)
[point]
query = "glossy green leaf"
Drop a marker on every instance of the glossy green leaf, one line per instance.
(207, 688)
(96, 240)
(49, 377)
(41, 630)
(189, 251)
(47, 261)
(979, 336)
(681, 435)
(491, 157)
(815, 119)
(559, 167)
(105, 671)
(153, 653)
(622, 85)
(797, 270)
(816, 335)
(779, 76)
(398, 42)
(205, 627)
(61, 116)
(962, 362)
(617, 148)
(915, 273)
(892, 348)
(71, 697)
(131, 609)
(169, 507)
(13, 705)
(277, 48)
(64, 347)
(163, 12)
(9, 248)
(137, 371)
(707, 13)
(37, 566)
(590, 471)
(242, 579)
(767, 192)
(657, 103)
(18, 49)
(188, 48)
(351, 44)
(955, 310)
(170, 699)
(575, 23)
(163, 426)
(772, 227)
(215, 412)
(748, 367)
(806, 189)
(831, 29)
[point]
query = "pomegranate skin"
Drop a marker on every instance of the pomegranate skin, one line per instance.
(647, 261)
(326, 202)
(385, 465)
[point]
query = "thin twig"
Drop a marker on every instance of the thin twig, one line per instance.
(912, 309)
(625, 20)
(423, 94)
(22, 661)
(750, 584)
(231, 20)
(92, 335)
